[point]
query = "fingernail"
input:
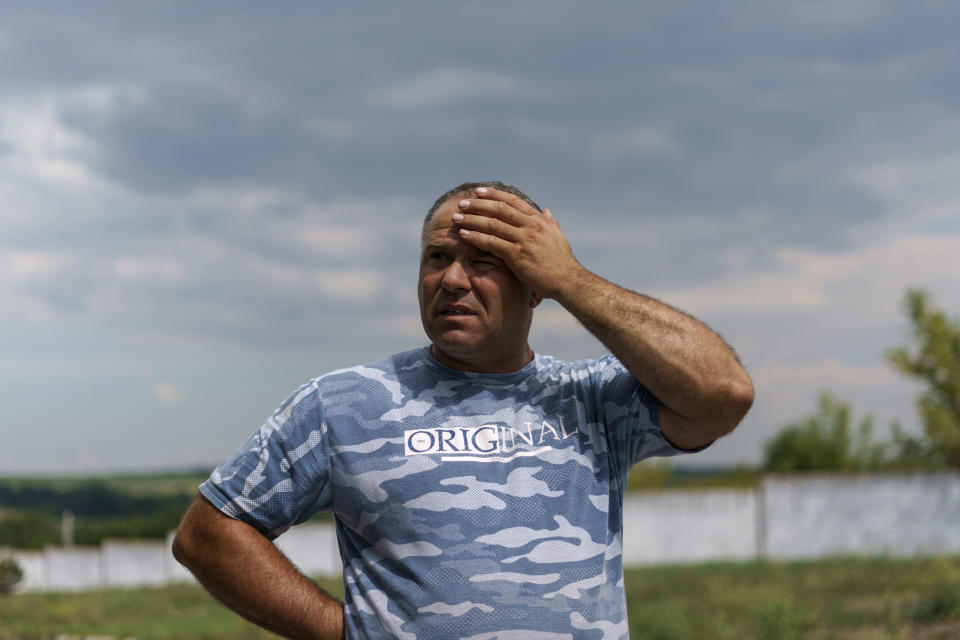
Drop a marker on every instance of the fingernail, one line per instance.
(464, 232)
(464, 204)
(457, 217)
(481, 191)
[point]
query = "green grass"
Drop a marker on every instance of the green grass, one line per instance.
(840, 598)
(847, 598)
(181, 611)
(659, 474)
(111, 506)
(160, 483)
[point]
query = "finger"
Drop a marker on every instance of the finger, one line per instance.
(551, 218)
(487, 225)
(513, 200)
(485, 242)
(496, 209)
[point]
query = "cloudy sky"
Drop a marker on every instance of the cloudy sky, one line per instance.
(203, 205)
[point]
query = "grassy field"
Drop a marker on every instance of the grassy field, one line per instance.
(843, 598)
(134, 484)
(650, 474)
(149, 505)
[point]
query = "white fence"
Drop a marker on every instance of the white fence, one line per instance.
(123, 563)
(895, 514)
(785, 518)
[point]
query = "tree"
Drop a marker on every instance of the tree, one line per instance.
(10, 574)
(933, 356)
(28, 530)
(823, 442)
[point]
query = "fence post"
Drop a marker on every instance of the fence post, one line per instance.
(760, 511)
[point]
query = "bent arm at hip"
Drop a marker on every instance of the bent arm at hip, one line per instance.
(245, 571)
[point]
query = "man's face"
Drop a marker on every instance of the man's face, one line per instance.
(474, 310)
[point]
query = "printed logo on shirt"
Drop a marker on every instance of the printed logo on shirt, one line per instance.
(486, 440)
(461, 440)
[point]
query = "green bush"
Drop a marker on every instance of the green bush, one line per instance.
(28, 530)
(825, 441)
(10, 574)
(933, 357)
(92, 531)
(940, 606)
(88, 499)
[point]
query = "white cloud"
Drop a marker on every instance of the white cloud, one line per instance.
(106, 98)
(904, 179)
(445, 86)
(861, 280)
(818, 320)
(18, 265)
(20, 270)
(406, 325)
(85, 458)
(336, 129)
(167, 393)
(352, 284)
(671, 167)
(832, 17)
(637, 140)
(42, 145)
(348, 283)
(553, 318)
(826, 372)
(155, 269)
(335, 239)
(603, 143)
(341, 226)
(242, 200)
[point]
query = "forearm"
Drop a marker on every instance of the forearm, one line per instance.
(703, 390)
(686, 365)
(246, 572)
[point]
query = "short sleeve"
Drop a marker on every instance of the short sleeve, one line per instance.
(280, 476)
(631, 416)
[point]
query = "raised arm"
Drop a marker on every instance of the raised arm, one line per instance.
(703, 389)
(246, 572)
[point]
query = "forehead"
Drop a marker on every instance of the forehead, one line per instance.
(441, 232)
(441, 224)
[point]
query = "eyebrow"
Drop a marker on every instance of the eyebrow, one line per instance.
(441, 244)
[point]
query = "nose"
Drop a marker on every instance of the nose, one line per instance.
(455, 277)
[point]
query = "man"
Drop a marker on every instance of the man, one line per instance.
(476, 487)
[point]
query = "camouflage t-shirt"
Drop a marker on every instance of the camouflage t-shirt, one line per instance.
(467, 505)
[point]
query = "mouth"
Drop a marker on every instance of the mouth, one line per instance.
(454, 310)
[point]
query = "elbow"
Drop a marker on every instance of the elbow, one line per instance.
(738, 398)
(188, 540)
(182, 546)
(723, 405)
(731, 400)
(190, 548)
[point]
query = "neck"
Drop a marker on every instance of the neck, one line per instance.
(508, 365)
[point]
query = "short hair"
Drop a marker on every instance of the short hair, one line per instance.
(467, 187)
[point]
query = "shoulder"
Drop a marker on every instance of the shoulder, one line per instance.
(397, 364)
(386, 375)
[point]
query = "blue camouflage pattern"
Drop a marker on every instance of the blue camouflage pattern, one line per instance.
(467, 505)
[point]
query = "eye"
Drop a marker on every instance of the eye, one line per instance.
(486, 264)
(436, 257)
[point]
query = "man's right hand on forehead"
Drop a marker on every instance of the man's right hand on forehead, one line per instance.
(531, 243)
